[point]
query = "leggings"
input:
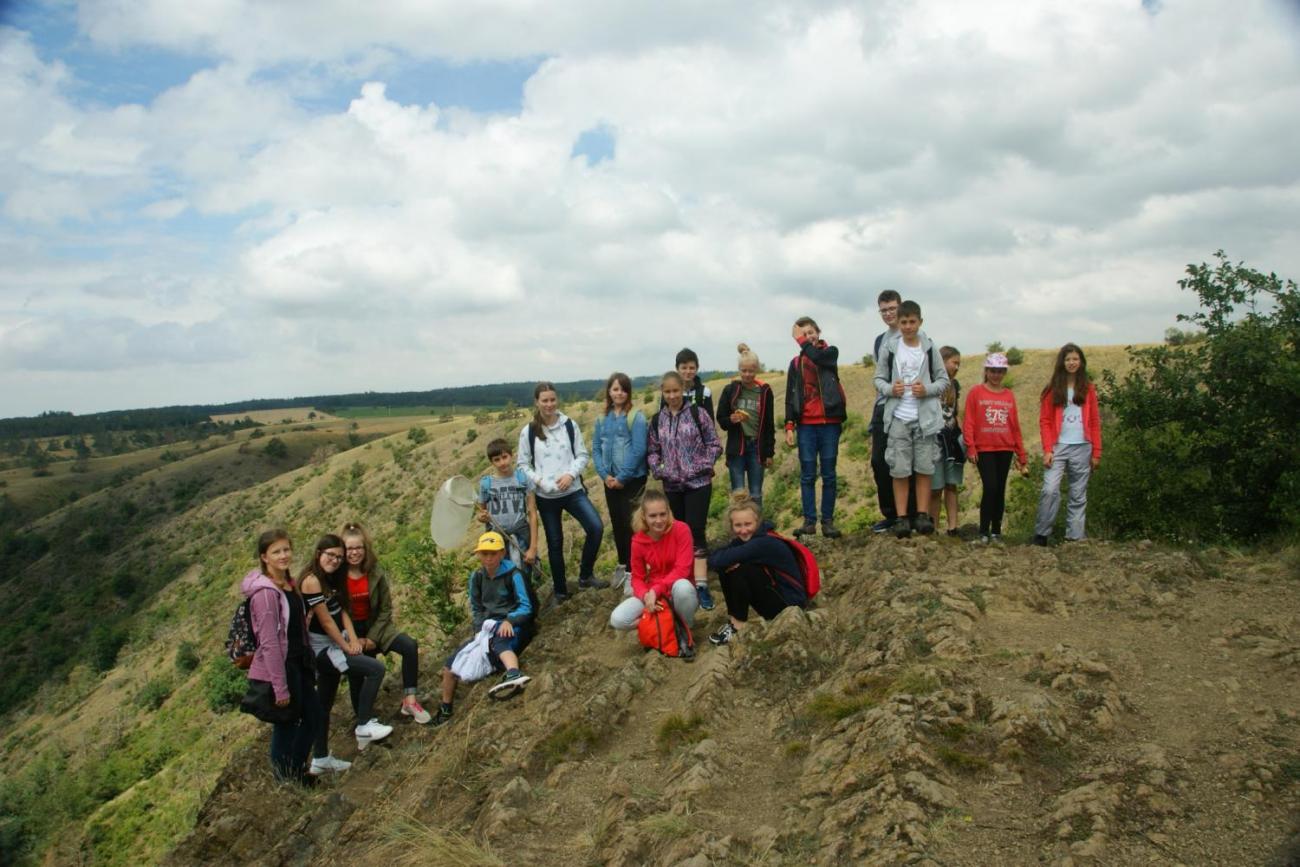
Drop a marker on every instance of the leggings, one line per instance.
(750, 586)
(404, 646)
(365, 674)
(622, 503)
(994, 468)
(692, 506)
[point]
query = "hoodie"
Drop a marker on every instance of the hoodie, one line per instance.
(503, 596)
(554, 458)
(269, 613)
(768, 552)
(657, 563)
(934, 376)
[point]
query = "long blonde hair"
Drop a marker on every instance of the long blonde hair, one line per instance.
(654, 495)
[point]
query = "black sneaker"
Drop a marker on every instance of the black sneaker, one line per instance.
(829, 531)
(923, 524)
(809, 528)
(883, 526)
(902, 528)
(511, 683)
(954, 532)
(442, 717)
(561, 596)
(723, 635)
(686, 654)
(592, 583)
(1040, 541)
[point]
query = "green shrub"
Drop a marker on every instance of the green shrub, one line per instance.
(995, 346)
(222, 684)
(275, 449)
(154, 693)
(417, 435)
(105, 643)
(1202, 446)
(187, 657)
(418, 563)
(1015, 356)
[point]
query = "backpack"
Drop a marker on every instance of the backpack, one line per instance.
(532, 595)
(662, 630)
(568, 428)
(694, 411)
(810, 576)
(241, 643)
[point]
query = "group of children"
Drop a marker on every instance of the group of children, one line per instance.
(337, 617)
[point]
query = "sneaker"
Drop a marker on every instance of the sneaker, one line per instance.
(996, 538)
(592, 583)
(829, 531)
(923, 524)
(620, 577)
(1040, 541)
(954, 532)
(370, 732)
(686, 654)
(902, 528)
(705, 597)
(511, 683)
(443, 716)
(883, 526)
(328, 765)
(809, 528)
(415, 712)
(561, 596)
(724, 635)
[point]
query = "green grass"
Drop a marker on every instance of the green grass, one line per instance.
(404, 411)
(573, 740)
(675, 730)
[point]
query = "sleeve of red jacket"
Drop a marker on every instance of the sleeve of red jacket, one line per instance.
(1094, 422)
(1015, 426)
(1046, 422)
(968, 427)
(639, 565)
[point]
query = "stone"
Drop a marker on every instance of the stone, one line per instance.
(931, 791)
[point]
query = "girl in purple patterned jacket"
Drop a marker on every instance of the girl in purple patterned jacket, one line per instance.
(681, 448)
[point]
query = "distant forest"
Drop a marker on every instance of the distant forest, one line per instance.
(49, 424)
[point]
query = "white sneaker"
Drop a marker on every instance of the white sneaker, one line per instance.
(371, 732)
(328, 764)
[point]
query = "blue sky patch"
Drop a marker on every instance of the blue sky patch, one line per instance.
(596, 144)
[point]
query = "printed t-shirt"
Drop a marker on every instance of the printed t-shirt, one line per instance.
(748, 398)
(1072, 432)
(506, 500)
(907, 367)
(359, 597)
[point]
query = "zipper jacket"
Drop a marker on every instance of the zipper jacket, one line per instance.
(813, 394)
(657, 563)
(554, 458)
(269, 613)
(766, 438)
(681, 449)
(1049, 422)
(933, 375)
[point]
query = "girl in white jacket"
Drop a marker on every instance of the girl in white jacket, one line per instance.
(553, 456)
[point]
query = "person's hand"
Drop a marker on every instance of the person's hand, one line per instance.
(352, 647)
(481, 514)
(610, 481)
(1095, 462)
(789, 438)
(282, 702)
(767, 463)
(918, 389)
(615, 484)
(737, 417)
(897, 390)
(796, 332)
(649, 600)
(505, 630)
(563, 482)
(1047, 459)
(367, 644)
(1022, 467)
(530, 556)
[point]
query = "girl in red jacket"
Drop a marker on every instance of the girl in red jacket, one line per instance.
(1070, 425)
(992, 433)
(663, 565)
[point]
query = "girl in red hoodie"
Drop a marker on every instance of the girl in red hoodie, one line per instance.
(663, 565)
(1070, 425)
(992, 433)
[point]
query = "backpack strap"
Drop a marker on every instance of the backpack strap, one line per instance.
(532, 446)
(696, 409)
(573, 436)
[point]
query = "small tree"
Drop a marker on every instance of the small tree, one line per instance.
(417, 435)
(1015, 356)
(276, 449)
(995, 346)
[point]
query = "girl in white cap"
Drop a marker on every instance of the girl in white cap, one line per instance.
(992, 433)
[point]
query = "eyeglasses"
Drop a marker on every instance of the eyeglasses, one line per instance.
(330, 555)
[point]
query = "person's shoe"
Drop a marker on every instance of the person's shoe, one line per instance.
(954, 532)
(591, 582)
(724, 635)
(705, 597)
(561, 596)
(809, 528)
(370, 732)
(620, 577)
(923, 524)
(511, 683)
(1040, 541)
(443, 716)
(985, 538)
(415, 712)
(328, 765)
(902, 528)
(995, 538)
(883, 526)
(686, 654)
(829, 531)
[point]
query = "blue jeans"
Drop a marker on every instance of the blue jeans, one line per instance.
(747, 463)
(551, 510)
(818, 441)
(291, 743)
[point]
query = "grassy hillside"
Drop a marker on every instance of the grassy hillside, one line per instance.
(1092, 696)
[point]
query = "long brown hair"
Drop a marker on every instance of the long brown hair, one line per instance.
(355, 530)
(624, 380)
(330, 584)
(1060, 381)
(538, 426)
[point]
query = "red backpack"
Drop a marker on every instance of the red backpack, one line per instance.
(662, 630)
(810, 576)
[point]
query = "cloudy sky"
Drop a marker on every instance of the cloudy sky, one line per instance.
(211, 200)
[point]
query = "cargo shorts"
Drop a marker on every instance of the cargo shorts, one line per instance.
(908, 451)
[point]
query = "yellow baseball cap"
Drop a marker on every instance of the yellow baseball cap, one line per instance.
(491, 542)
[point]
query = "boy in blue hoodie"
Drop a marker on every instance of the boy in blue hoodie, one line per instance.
(497, 591)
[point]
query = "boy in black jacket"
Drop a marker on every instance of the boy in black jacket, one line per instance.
(815, 408)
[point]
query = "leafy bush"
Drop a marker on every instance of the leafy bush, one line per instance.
(222, 684)
(187, 657)
(105, 643)
(995, 346)
(417, 435)
(1204, 445)
(275, 449)
(1015, 355)
(471, 435)
(154, 693)
(436, 574)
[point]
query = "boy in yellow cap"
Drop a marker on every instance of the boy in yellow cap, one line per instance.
(497, 591)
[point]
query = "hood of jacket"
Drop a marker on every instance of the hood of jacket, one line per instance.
(255, 580)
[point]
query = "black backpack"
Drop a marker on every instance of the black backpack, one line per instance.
(532, 441)
(532, 595)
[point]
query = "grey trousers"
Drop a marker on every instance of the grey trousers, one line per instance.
(685, 602)
(1074, 462)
